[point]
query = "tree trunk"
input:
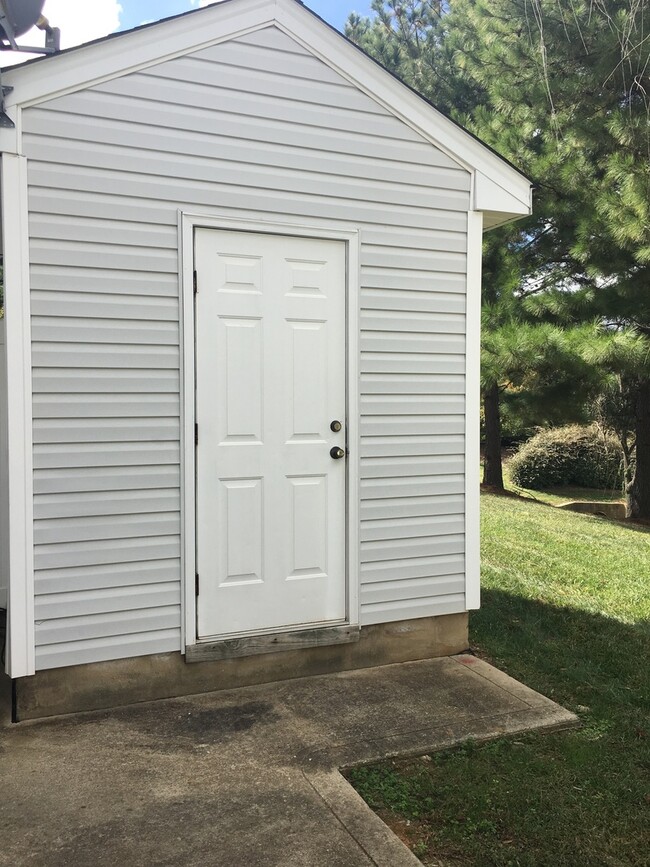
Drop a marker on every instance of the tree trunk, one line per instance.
(492, 469)
(638, 491)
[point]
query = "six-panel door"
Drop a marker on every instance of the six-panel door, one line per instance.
(270, 380)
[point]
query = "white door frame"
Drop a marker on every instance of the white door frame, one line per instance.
(187, 223)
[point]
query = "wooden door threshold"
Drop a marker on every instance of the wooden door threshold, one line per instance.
(274, 642)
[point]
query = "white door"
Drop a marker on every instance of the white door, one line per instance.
(270, 386)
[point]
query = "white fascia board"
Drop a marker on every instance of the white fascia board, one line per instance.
(489, 195)
(88, 65)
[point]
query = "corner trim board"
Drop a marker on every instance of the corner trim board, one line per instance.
(472, 410)
(20, 656)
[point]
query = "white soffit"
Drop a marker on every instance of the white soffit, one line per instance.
(498, 187)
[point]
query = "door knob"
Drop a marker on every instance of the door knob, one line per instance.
(337, 453)
(336, 426)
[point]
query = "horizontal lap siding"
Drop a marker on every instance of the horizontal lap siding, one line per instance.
(255, 128)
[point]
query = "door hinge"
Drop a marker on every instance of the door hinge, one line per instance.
(196, 283)
(196, 434)
(196, 583)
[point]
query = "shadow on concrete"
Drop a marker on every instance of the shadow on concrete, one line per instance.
(248, 776)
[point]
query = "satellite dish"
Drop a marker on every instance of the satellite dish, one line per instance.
(18, 16)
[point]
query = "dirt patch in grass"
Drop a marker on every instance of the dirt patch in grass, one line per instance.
(498, 492)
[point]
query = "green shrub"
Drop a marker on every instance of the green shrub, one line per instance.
(572, 455)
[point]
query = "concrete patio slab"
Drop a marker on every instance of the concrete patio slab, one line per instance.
(244, 777)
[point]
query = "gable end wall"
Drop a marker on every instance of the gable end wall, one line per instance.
(253, 128)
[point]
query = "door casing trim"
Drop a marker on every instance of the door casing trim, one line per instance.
(187, 223)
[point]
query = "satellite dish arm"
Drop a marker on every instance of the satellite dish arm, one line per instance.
(12, 26)
(5, 121)
(7, 26)
(52, 35)
(16, 18)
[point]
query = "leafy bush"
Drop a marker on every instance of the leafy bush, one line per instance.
(572, 455)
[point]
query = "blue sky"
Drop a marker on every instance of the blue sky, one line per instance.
(77, 26)
(134, 12)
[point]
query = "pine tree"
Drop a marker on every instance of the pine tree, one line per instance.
(561, 88)
(568, 87)
(410, 39)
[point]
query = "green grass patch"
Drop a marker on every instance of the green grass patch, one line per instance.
(566, 609)
(555, 496)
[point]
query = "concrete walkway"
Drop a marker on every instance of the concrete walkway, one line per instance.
(245, 777)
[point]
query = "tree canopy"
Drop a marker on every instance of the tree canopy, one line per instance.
(562, 89)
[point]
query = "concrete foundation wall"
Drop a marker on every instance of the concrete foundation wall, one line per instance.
(146, 678)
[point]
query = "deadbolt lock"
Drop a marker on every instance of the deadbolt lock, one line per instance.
(337, 453)
(336, 426)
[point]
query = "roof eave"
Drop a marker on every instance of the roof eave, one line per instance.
(498, 187)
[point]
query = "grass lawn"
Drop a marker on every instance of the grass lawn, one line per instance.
(566, 609)
(561, 495)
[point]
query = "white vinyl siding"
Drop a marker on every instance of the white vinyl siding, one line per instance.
(258, 128)
(4, 475)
